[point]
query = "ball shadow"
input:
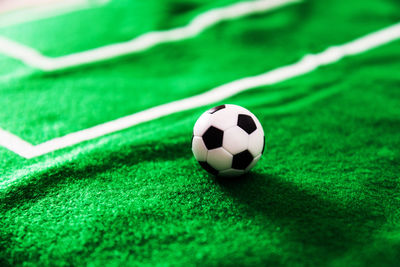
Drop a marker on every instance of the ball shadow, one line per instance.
(310, 218)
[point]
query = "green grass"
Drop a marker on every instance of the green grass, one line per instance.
(324, 193)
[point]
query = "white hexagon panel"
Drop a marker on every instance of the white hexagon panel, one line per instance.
(235, 140)
(219, 159)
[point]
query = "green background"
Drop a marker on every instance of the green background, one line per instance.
(324, 193)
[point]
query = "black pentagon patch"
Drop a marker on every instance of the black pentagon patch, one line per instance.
(246, 123)
(215, 109)
(262, 152)
(208, 168)
(213, 137)
(242, 160)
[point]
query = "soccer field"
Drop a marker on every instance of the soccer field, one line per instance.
(98, 99)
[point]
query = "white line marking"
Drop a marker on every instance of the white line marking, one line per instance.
(19, 51)
(39, 11)
(307, 64)
(196, 26)
(15, 144)
(15, 75)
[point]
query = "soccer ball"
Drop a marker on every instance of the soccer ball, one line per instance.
(228, 140)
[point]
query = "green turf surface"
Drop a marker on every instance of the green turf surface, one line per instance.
(325, 192)
(291, 33)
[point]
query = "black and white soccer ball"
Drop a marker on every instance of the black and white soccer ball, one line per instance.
(228, 140)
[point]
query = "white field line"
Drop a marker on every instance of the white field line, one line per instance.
(307, 64)
(15, 144)
(200, 23)
(19, 51)
(15, 75)
(39, 11)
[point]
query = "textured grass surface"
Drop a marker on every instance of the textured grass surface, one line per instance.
(325, 193)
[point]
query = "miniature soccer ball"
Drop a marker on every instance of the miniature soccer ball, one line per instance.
(228, 140)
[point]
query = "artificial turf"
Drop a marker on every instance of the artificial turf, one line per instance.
(324, 193)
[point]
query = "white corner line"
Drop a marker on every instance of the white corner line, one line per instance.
(143, 42)
(307, 64)
(15, 144)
